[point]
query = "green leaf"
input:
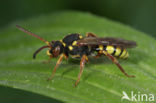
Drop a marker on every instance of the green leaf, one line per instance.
(101, 82)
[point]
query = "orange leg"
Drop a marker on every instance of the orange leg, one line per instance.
(57, 64)
(90, 35)
(117, 63)
(82, 63)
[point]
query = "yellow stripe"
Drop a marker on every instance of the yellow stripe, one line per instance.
(80, 37)
(118, 51)
(63, 43)
(70, 47)
(123, 53)
(74, 43)
(47, 42)
(100, 47)
(48, 53)
(110, 49)
(126, 55)
(86, 58)
(75, 56)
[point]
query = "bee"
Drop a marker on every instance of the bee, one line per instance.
(76, 46)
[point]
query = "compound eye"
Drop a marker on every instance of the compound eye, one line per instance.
(56, 51)
(48, 52)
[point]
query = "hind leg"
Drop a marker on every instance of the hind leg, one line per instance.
(82, 63)
(115, 61)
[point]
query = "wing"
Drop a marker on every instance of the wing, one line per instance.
(94, 41)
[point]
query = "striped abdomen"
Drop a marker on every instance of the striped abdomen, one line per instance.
(115, 51)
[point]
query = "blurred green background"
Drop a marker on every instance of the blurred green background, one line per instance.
(139, 14)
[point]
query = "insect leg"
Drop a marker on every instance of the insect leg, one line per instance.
(82, 63)
(90, 35)
(114, 60)
(57, 64)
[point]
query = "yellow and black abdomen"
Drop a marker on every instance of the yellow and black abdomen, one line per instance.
(115, 51)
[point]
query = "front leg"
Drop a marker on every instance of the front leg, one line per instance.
(82, 63)
(57, 64)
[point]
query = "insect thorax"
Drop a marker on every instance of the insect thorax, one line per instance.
(70, 45)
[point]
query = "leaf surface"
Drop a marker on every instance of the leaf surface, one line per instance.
(101, 82)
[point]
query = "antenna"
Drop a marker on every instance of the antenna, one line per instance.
(30, 33)
(34, 55)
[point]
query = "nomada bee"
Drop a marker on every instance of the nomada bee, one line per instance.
(81, 47)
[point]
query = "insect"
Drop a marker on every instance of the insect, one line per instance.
(76, 46)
